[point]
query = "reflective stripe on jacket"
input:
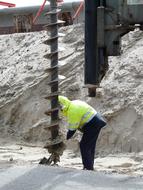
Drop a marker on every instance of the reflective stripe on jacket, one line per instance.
(77, 112)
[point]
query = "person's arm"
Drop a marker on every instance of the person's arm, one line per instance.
(73, 123)
(70, 133)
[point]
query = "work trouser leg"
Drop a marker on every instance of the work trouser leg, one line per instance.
(88, 142)
(93, 145)
(87, 147)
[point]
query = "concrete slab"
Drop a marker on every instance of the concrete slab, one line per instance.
(56, 178)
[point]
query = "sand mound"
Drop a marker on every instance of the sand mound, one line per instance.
(23, 85)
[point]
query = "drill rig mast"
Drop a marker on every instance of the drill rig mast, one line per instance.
(106, 21)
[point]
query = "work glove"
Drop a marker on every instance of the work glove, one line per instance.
(70, 134)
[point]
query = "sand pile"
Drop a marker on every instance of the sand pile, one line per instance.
(23, 85)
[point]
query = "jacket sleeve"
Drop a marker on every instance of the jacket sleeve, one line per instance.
(73, 122)
(73, 126)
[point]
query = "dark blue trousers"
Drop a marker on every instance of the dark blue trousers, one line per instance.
(88, 142)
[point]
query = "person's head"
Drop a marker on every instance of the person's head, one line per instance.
(64, 103)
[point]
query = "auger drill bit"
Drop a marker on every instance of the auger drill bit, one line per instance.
(56, 146)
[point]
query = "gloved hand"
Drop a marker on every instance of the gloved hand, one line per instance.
(70, 134)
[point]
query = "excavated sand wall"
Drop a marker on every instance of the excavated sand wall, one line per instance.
(23, 86)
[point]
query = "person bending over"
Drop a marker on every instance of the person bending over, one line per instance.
(81, 116)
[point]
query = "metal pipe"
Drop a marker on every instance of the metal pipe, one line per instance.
(68, 6)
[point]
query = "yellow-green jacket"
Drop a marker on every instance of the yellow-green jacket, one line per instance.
(77, 112)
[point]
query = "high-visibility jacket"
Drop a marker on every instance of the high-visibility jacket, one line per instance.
(77, 112)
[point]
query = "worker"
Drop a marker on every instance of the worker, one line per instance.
(81, 116)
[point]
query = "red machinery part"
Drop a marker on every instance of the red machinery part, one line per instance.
(41, 9)
(78, 11)
(7, 4)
